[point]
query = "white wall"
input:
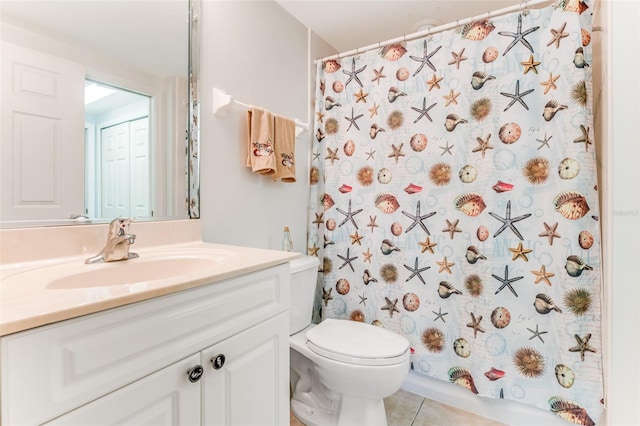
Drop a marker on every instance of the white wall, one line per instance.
(622, 201)
(259, 54)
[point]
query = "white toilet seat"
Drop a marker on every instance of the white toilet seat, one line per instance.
(357, 343)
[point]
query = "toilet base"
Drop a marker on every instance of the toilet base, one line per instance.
(353, 412)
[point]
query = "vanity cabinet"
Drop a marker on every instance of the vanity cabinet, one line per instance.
(138, 364)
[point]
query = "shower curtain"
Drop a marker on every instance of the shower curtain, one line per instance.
(454, 201)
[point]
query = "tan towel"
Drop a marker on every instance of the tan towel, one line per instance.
(285, 148)
(260, 156)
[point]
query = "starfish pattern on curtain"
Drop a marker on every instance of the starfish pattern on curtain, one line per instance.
(454, 197)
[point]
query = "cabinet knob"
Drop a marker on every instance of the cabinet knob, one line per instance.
(218, 361)
(195, 373)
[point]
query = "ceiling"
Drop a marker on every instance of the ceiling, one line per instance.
(350, 24)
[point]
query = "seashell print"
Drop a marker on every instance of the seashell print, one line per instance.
(349, 148)
(331, 66)
(544, 304)
(327, 201)
(461, 377)
(482, 233)
(411, 302)
(462, 348)
(477, 30)
(384, 176)
(396, 228)
(357, 315)
(445, 290)
(337, 86)
(585, 240)
(418, 142)
(345, 188)
(440, 174)
(452, 121)
(470, 204)
(402, 74)
(536, 170)
(575, 265)
(500, 317)
(331, 224)
(571, 205)
(468, 173)
(387, 247)
(529, 362)
(343, 286)
(490, 54)
(433, 339)
(585, 37)
(578, 301)
(393, 52)
(494, 374)
(573, 6)
(330, 103)
(502, 187)
(473, 255)
(367, 278)
(387, 203)
(568, 168)
(479, 78)
(565, 376)
(510, 133)
(412, 189)
(570, 411)
(377, 323)
(550, 110)
(314, 175)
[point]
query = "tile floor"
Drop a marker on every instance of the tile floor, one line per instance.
(408, 409)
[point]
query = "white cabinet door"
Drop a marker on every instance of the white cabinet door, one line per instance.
(164, 398)
(251, 386)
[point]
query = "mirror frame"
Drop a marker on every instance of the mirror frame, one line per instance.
(193, 136)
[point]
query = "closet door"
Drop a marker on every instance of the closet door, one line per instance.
(115, 171)
(42, 141)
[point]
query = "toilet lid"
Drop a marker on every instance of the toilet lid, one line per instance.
(355, 342)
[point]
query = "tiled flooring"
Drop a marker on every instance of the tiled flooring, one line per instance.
(408, 409)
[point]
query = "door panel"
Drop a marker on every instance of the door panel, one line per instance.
(42, 148)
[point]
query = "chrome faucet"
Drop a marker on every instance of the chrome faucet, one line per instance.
(118, 242)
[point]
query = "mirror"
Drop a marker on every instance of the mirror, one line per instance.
(133, 152)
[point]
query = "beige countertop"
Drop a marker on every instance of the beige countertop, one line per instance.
(38, 292)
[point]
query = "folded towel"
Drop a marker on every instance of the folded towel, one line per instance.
(260, 156)
(285, 147)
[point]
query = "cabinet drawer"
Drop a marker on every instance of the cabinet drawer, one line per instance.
(53, 369)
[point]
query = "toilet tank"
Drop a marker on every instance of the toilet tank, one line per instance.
(304, 276)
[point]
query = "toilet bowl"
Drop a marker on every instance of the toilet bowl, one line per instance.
(341, 370)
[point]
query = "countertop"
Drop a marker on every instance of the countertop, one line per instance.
(30, 297)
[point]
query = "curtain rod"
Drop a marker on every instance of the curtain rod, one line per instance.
(524, 5)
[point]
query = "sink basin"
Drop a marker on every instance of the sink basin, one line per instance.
(179, 265)
(131, 272)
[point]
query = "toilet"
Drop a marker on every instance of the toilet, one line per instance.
(341, 370)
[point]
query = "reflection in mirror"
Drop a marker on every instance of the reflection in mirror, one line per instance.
(59, 156)
(117, 152)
